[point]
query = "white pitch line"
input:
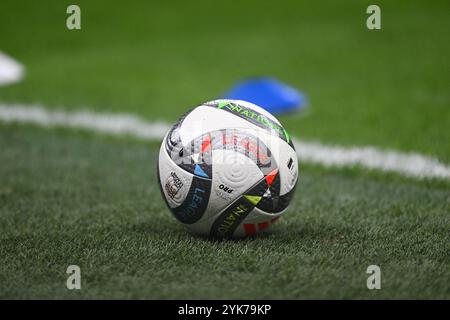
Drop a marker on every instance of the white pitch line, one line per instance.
(111, 123)
(407, 164)
(10, 70)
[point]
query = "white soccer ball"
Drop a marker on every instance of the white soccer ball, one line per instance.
(227, 169)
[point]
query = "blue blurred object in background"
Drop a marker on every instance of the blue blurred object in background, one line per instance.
(269, 93)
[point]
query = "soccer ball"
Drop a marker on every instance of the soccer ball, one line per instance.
(227, 169)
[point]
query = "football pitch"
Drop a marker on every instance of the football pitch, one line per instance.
(77, 197)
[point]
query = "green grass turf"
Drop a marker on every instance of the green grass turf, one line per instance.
(76, 198)
(387, 88)
(70, 198)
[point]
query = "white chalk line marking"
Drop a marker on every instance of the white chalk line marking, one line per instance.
(411, 164)
(11, 71)
(407, 164)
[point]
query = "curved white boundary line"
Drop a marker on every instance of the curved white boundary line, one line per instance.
(10, 70)
(407, 164)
